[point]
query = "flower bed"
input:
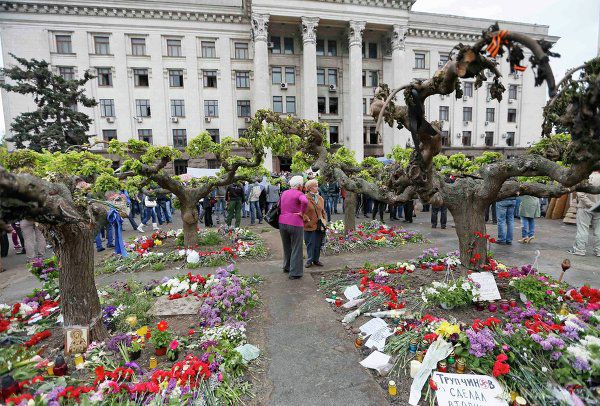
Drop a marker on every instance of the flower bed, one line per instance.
(366, 236)
(542, 344)
(203, 361)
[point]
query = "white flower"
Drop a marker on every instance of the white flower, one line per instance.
(544, 369)
(466, 286)
(452, 288)
(193, 258)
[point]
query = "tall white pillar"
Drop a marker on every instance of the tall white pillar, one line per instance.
(391, 136)
(355, 130)
(261, 85)
(309, 68)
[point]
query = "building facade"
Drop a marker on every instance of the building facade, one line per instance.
(166, 71)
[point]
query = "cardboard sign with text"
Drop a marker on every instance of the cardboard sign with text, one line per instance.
(488, 289)
(467, 390)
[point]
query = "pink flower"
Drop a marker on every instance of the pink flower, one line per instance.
(220, 377)
(174, 344)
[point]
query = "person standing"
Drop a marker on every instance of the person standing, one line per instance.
(219, 208)
(161, 200)
(150, 207)
(443, 211)
(378, 206)
(234, 195)
(272, 195)
(529, 209)
(586, 217)
(35, 243)
(505, 210)
(491, 207)
(207, 204)
(409, 208)
(293, 205)
(253, 198)
(314, 223)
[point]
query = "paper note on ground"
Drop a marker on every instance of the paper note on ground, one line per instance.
(377, 339)
(488, 289)
(476, 390)
(352, 292)
(372, 326)
(375, 360)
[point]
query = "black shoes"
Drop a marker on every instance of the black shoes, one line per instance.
(318, 263)
(295, 276)
(286, 271)
(308, 265)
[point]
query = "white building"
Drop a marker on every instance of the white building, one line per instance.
(169, 70)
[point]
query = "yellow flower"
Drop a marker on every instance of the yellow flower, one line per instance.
(446, 329)
(500, 267)
(131, 320)
(142, 331)
(157, 242)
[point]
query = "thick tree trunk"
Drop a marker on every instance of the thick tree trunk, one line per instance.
(189, 215)
(350, 211)
(469, 218)
(80, 306)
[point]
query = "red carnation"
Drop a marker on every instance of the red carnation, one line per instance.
(162, 326)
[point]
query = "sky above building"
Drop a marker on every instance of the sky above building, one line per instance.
(576, 22)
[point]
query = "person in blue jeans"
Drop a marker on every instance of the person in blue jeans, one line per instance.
(505, 212)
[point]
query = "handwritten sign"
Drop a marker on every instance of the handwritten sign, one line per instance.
(372, 326)
(472, 390)
(488, 290)
(377, 339)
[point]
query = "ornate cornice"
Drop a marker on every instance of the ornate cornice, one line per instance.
(355, 33)
(309, 29)
(398, 35)
(439, 34)
(260, 27)
(122, 12)
(401, 4)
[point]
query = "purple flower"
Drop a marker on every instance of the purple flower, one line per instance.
(482, 342)
(580, 364)
(555, 355)
(113, 343)
(537, 338)
(546, 345)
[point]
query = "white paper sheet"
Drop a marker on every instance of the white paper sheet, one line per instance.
(488, 289)
(453, 389)
(376, 360)
(372, 326)
(377, 339)
(352, 292)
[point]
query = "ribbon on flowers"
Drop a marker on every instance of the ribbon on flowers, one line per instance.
(115, 221)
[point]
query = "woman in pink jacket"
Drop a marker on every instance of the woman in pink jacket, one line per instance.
(293, 204)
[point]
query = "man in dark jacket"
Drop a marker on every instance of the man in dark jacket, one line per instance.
(235, 199)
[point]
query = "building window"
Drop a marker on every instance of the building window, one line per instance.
(174, 47)
(213, 164)
(364, 107)
(419, 60)
(278, 104)
(510, 139)
(101, 45)
(180, 166)
(145, 135)
(177, 108)
(443, 59)
(320, 76)
(467, 113)
(445, 138)
(466, 139)
(214, 134)
(288, 46)
(331, 48)
(490, 114)
(107, 108)
(489, 138)
(140, 77)
(370, 78)
(321, 102)
(243, 108)
(241, 50)
(241, 132)
(276, 75)
(175, 77)
(372, 50)
(333, 105)
(444, 113)
(468, 89)
(64, 44)
(334, 134)
(242, 79)
(276, 49)
(179, 138)
(290, 75)
(320, 47)
(109, 135)
(512, 115)
(104, 76)
(138, 46)
(211, 108)
(209, 49)
(512, 92)
(66, 72)
(373, 136)
(290, 104)
(142, 108)
(332, 76)
(210, 78)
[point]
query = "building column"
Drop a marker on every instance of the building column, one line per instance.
(391, 136)
(309, 68)
(355, 128)
(261, 85)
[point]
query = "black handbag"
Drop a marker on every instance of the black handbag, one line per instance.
(272, 216)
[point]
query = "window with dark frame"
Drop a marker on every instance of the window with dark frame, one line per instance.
(320, 47)
(466, 138)
(444, 58)
(66, 72)
(243, 108)
(175, 77)
(334, 134)
(512, 116)
(332, 76)
(364, 107)
(419, 60)
(290, 104)
(374, 78)
(145, 134)
(209, 49)
(512, 92)
(101, 45)
(241, 132)
(242, 79)
(214, 134)
(372, 50)
(364, 78)
(179, 138)
(211, 108)
(467, 113)
(140, 77)
(445, 138)
(331, 48)
(180, 166)
(213, 163)
(174, 47)
(138, 46)
(288, 46)
(321, 76)
(333, 105)
(107, 107)
(276, 75)
(278, 104)
(64, 44)
(209, 78)
(490, 114)
(468, 89)
(290, 75)
(276, 45)
(142, 108)
(489, 138)
(444, 113)
(241, 50)
(104, 77)
(177, 108)
(109, 135)
(373, 136)
(322, 105)
(510, 139)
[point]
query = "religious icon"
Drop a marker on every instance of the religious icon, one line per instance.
(77, 340)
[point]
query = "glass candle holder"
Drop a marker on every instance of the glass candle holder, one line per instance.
(504, 305)
(392, 389)
(492, 307)
(153, 363)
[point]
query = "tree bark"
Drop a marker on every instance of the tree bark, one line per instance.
(189, 215)
(469, 218)
(80, 306)
(350, 212)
